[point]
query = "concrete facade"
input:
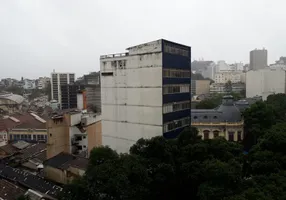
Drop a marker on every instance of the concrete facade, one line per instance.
(265, 82)
(199, 87)
(233, 76)
(258, 59)
(73, 132)
(134, 88)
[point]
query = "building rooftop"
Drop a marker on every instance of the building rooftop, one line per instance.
(13, 97)
(226, 112)
(23, 121)
(29, 180)
(10, 191)
(65, 160)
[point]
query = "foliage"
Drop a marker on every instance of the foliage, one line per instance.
(228, 87)
(216, 100)
(190, 167)
(158, 169)
(278, 103)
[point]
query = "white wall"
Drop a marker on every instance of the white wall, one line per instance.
(131, 99)
(265, 82)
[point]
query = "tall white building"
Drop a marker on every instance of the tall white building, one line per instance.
(265, 82)
(57, 80)
(145, 93)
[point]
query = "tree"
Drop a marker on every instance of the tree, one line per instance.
(228, 87)
(278, 103)
(257, 120)
(157, 168)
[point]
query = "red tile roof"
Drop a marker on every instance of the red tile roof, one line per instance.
(26, 121)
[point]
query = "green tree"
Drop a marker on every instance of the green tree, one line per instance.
(228, 87)
(257, 119)
(278, 103)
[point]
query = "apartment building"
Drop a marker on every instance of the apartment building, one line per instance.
(233, 76)
(74, 132)
(57, 80)
(145, 93)
(265, 82)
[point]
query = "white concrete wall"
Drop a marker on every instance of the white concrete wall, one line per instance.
(265, 82)
(131, 99)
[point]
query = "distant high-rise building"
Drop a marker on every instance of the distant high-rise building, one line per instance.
(258, 59)
(57, 80)
(69, 95)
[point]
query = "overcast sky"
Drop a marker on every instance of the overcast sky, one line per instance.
(37, 36)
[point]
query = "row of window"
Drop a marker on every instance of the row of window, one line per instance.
(172, 49)
(216, 134)
(173, 107)
(172, 89)
(175, 73)
(176, 124)
(27, 137)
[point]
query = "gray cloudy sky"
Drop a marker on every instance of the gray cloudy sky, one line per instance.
(37, 36)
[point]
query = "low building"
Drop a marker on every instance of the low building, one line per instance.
(73, 132)
(11, 103)
(28, 126)
(199, 87)
(225, 121)
(63, 168)
(221, 89)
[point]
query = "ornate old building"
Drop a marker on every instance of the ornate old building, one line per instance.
(224, 121)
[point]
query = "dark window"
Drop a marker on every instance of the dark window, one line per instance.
(239, 135)
(216, 134)
(195, 117)
(107, 73)
(230, 136)
(215, 117)
(206, 134)
(205, 117)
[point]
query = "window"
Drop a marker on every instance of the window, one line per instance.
(206, 134)
(195, 117)
(173, 107)
(107, 73)
(239, 135)
(173, 89)
(176, 124)
(216, 133)
(176, 73)
(215, 117)
(230, 136)
(205, 117)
